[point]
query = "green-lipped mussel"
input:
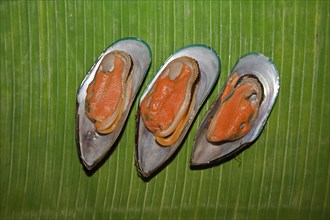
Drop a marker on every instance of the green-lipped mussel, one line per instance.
(170, 103)
(239, 113)
(106, 95)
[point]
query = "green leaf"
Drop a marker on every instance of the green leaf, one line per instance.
(47, 47)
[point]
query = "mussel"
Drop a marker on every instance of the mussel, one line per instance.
(170, 103)
(239, 113)
(105, 97)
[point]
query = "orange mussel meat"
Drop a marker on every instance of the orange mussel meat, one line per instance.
(109, 91)
(239, 107)
(166, 108)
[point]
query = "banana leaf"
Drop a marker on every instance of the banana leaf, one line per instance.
(46, 49)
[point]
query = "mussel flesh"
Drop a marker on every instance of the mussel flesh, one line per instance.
(166, 108)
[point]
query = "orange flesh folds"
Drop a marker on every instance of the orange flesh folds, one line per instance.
(167, 141)
(160, 107)
(235, 116)
(104, 93)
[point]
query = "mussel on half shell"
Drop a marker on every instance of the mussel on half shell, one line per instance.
(105, 97)
(170, 103)
(239, 113)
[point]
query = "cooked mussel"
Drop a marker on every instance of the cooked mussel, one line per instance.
(169, 105)
(106, 95)
(239, 113)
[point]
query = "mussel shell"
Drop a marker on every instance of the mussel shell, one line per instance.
(205, 153)
(149, 155)
(92, 146)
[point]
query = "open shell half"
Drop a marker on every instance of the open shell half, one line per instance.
(105, 97)
(157, 141)
(239, 113)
